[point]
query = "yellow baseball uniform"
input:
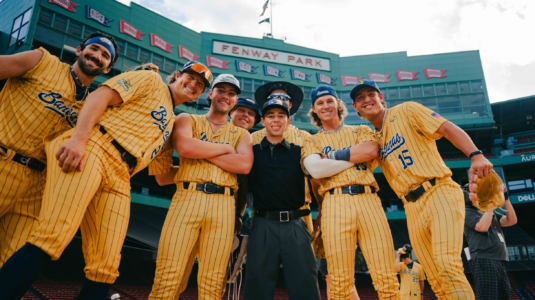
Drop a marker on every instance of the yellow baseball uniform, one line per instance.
(410, 281)
(347, 218)
(297, 137)
(97, 199)
(409, 158)
(198, 216)
(31, 107)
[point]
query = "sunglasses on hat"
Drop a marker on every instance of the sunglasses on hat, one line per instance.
(282, 97)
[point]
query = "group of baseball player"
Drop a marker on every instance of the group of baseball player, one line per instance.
(67, 157)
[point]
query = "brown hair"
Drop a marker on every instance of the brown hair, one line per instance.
(315, 120)
(109, 37)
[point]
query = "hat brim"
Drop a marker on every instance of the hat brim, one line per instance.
(295, 93)
(357, 88)
(265, 109)
(235, 86)
(206, 82)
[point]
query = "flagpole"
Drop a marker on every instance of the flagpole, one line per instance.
(271, 18)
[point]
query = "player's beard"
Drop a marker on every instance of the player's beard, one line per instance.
(87, 70)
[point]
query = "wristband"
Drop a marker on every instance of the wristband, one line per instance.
(475, 153)
(239, 216)
(344, 154)
(506, 196)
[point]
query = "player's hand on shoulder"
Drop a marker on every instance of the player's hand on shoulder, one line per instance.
(71, 155)
(2, 152)
(480, 166)
(292, 127)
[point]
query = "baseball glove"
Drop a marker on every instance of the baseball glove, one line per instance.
(317, 244)
(489, 191)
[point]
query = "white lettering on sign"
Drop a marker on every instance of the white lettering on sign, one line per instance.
(528, 157)
(271, 56)
(526, 198)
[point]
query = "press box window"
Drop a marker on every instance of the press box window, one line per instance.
(20, 28)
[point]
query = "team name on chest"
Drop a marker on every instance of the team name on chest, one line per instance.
(53, 102)
(203, 137)
(392, 145)
(160, 117)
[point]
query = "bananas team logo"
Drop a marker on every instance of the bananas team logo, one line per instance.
(125, 83)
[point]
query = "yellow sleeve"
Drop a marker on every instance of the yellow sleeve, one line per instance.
(310, 147)
(365, 134)
(133, 85)
(421, 275)
(163, 162)
(400, 267)
(243, 133)
(46, 61)
(258, 136)
(423, 120)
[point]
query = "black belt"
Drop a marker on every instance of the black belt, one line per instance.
(209, 188)
(413, 195)
(282, 216)
(127, 157)
(353, 190)
(29, 162)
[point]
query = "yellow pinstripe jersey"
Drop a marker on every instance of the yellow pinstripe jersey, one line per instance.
(142, 124)
(323, 143)
(408, 152)
(293, 136)
(201, 170)
(410, 278)
(32, 105)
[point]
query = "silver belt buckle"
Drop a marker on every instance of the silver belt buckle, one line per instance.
(25, 161)
(287, 216)
(204, 189)
(350, 190)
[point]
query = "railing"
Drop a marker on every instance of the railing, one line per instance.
(152, 191)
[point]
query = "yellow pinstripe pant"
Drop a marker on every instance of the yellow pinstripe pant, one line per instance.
(195, 217)
(436, 223)
(21, 191)
(96, 200)
(347, 219)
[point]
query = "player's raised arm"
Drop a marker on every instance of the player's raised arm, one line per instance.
(71, 155)
(188, 146)
(17, 64)
(240, 162)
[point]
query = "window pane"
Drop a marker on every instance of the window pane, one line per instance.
(416, 91)
(88, 30)
(157, 60)
(48, 39)
(428, 90)
(440, 89)
(169, 66)
(60, 22)
(69, 50)
(120, 43)
(471, 100)
(405, 92)
(27, 16)
(465, 87)
(394, 103)
(475, 111)
(45, 17)
(450, 111)
(453, 89)
(385, 94)
(477, 86)
(307, 91)
(246, 95)
(116, 69)
(131, 51)
(430, 103)
(257, 84)
(393, 93)
(129, 64)
(144, 56)
(449, 101)
(23, 32)
(13, 39)
(17, 23)
(75, 28)
(247, 84)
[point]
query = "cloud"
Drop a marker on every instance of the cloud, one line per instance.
(500, 30)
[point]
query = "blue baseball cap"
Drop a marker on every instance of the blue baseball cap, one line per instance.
(275, 103)
(323, 90)
(249, 103)
(361, 84)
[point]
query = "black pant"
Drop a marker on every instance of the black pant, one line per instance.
(272, 243)
(491, 279)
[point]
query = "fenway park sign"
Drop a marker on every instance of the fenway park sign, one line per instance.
(273, 56)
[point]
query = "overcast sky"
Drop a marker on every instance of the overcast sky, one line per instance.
(503, 31)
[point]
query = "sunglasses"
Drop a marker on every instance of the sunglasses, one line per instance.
(282, 97)
(202, 70)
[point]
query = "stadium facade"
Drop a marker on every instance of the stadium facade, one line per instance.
(453, 84)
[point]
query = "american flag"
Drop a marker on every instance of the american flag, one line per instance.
(264, 7)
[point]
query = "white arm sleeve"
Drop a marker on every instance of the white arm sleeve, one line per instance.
(321, 168)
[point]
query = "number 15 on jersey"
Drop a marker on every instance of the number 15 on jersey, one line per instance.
(405, 159)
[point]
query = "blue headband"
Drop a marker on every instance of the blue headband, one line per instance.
(104, 42)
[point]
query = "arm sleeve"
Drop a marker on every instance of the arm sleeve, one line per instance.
(321, 168)
(472, 218)
(400, 267)
(310, 147)
(163, 162)
(132, 85)
(423, 120)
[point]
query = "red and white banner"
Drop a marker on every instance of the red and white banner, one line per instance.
(379, 77)
(130, 30)
(406, 75)
(160, 43)
(67, 4)
(434, 73)
(185, 53)
(350, 80)
(216, 62)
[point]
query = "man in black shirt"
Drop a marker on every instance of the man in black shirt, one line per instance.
(279, 235)
(487, 249)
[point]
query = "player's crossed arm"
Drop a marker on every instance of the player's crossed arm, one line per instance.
(240, 162)
(188, 146)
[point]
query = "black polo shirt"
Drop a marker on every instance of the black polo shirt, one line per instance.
(276, 179)
(484, 245)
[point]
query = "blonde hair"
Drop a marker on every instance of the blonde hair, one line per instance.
(315, 120)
